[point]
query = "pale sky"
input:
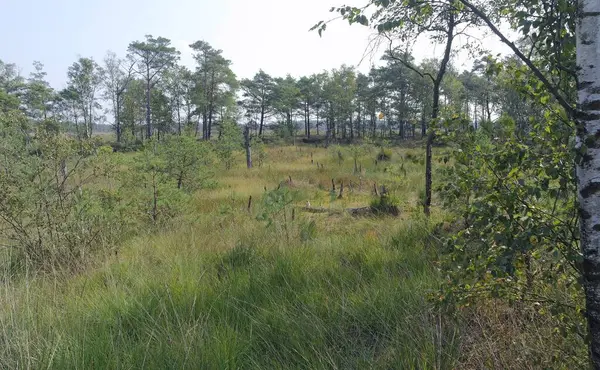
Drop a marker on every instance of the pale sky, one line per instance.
(253, 34)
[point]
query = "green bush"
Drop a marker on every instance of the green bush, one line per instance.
(385, 154)
(50, 217)
(386, 204)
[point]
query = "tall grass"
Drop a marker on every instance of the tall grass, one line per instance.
(221, 290)
(336, 302)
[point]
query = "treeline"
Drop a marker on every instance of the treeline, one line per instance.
(147, 92)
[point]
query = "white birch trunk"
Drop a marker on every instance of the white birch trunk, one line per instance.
(588, 167)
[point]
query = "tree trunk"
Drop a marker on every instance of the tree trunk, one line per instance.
(118, 119)
(210, 121)
(204, 125)
(423, 123)
(373, 124)
(588, 167)
(359, 121)
(487, 106)
(262, 120)
(317, 121)
(331, 123)
(402, 115)
(180, 180)
(247, 144)
(148, 122)
(91, 117)
(178, 119)
(211, 106)
(308, 119)
(434, 113)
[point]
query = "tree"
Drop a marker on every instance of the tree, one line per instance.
(10, 80)
(215, 84)
(401, 20)
(562, 61)
(85, 78)
(134, 110)
(287, 100)
(588, 165)
(177, 83)
(46, 218)
(248, 146)
(395, 80)
(116, 80)
(258, 96)
(187, 161)
(446, 13)
(483, 86)
(364, 103)
(152, 57)
(320, 80)
(309, 91)
(38, 94)
(71, 108)
(162, 113)
(230, 140)
(340, 91)
(10, 86)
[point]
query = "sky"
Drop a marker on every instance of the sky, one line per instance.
(272, 35)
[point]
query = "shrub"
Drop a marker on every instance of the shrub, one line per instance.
(187, 161)
(230, 141)
(386, 204)
(49, 218)
(385, 154)
(151, 190)
(336, 153)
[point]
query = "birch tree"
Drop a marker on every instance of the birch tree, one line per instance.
(85, 78)
(588, 166)
(118, 75)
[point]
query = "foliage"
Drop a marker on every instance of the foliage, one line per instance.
(508, 186)
(385, 154)
(229, 143)
(259, 98)
(275, 207)
(151, 187)
(519, 234)
(47, 213)
(284, 129)
(336, 153)
(215, 85)
(259, 150)
(385, 204)
(357, 153)
(152, 57)
(308, 231)
(188, 161)
(85, 78)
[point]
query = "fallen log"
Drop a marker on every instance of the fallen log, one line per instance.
(360, 211)
(321, 210)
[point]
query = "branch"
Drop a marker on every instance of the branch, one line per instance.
(561, 100)
(407, 64)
